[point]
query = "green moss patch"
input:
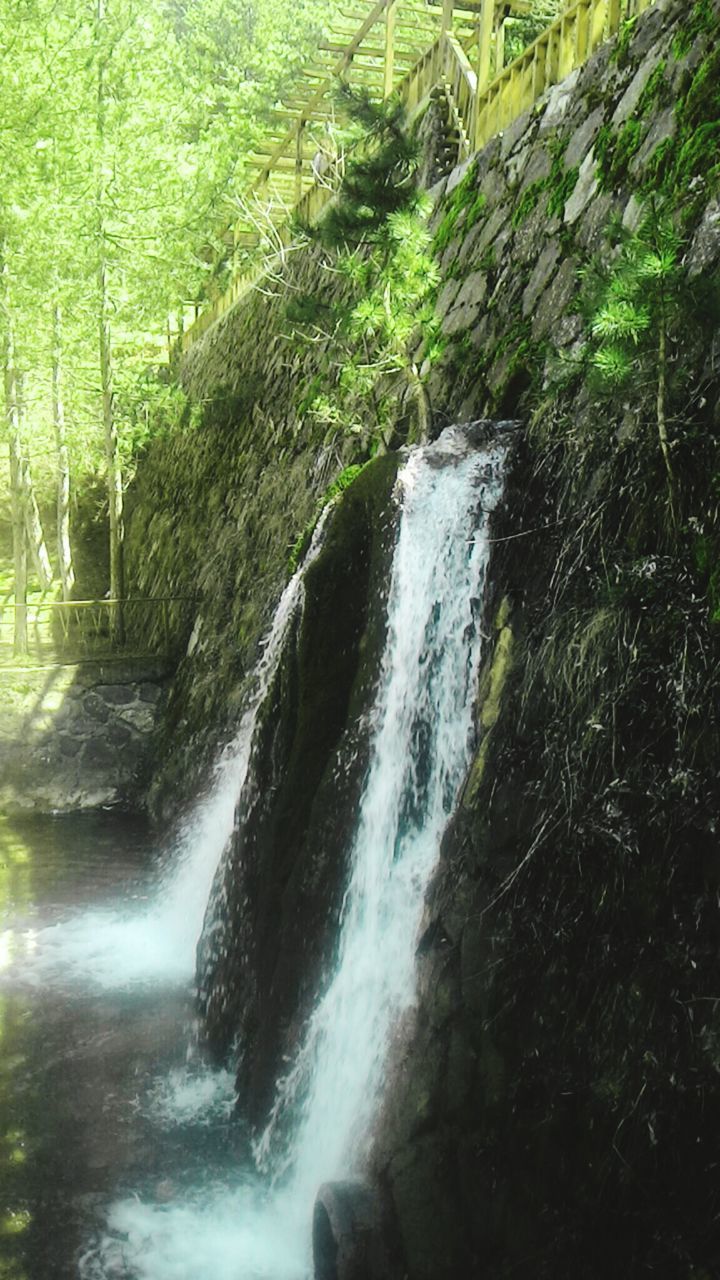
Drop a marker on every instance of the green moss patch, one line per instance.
(464, 207)
(559, 184)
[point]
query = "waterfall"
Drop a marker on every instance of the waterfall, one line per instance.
(423, 722)
(422, 733)
(156, 942)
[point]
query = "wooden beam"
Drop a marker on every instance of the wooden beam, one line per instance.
(377, 51)
(389, 61)
(299, 156)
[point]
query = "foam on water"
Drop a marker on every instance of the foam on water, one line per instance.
(192, 1095)
(422, 736)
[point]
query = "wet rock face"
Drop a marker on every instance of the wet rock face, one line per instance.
(270, 923)
(550, 1105)
(78, 737)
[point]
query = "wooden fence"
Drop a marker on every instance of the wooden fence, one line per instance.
(408, 47)
(75, 630)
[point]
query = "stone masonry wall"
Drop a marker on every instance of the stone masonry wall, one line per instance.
(79, 736)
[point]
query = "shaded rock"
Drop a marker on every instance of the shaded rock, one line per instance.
(628, 103)
(544, 270)
(585, 188)
(583, 138)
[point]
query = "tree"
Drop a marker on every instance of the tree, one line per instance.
(376, 234)
(636, 311)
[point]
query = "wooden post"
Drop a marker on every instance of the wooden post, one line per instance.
(485, 40)
(299, 144)
(500, 43)
(612, 21)
(582, 33)
(447, 16)
(389, 63)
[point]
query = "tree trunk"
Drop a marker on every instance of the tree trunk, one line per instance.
(19, 537)
(113, 469)
(33, 525)
(662, 412)
(64, 546)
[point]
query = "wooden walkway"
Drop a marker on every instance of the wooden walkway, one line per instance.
(408, 47)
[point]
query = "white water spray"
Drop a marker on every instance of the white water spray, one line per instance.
(420, 753)
(132, 945)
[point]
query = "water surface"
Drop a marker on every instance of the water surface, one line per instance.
(97, 1098)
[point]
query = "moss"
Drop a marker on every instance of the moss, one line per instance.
(702, 100)
(564, 184)
(559, 184)
(702, 20)
(677, 162)
(528, 202)
(656, 90)
(490, 697)
(614, 151)
(338, 486)
(621, 53)
(466, 204)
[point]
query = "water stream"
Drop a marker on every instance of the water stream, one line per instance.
(194, 1203)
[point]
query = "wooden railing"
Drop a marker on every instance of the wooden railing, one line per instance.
(73, 630)
(464, 59)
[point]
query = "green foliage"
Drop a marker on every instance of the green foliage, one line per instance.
(149, 408)
(522, 30)
(379, 182)
(187, 90)
(637, 311)
(338, 486)
(622, 304)
(382, 250)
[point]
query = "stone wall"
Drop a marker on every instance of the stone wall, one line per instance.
(219, 503)
(78, 736)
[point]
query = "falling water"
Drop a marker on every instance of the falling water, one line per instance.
(422, 739)
(155, 942)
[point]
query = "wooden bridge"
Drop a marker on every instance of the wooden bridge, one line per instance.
(407, 47)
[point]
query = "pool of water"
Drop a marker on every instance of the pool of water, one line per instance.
(102, 1095)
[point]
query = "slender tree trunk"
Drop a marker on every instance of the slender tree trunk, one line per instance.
(19, 537)
(33, 525)
(64, 546)
(662, 411)
(113, 467)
